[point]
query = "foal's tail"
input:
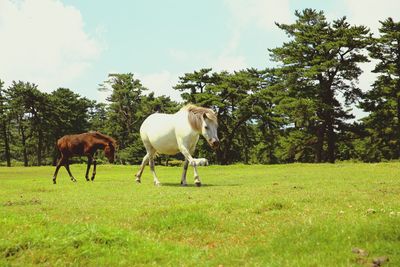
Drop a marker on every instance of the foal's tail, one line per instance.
(56, 153)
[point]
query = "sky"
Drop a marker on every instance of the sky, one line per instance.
(75, 44)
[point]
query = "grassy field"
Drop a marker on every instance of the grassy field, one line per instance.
(279, 215)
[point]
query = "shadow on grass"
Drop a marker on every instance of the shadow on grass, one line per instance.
(193, 185)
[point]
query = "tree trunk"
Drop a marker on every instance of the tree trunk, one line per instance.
(220, 157)
(6, 145)
(225, 157)
(398, 126)
(331, 140)
(23, 141)
(39, 147)
(246, 146)
(328, 116)
(320, 143)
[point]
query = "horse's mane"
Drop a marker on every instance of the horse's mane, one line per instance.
(104, 137)
(196, 116)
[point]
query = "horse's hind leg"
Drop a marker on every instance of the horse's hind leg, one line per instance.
(151, 160)
(94, 169)
(59, 163)
(144, 163)
(69, 172)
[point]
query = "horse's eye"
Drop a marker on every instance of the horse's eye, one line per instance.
(206, 127)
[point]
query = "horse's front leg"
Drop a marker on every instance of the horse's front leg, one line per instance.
(185, 167)
(192, 162)
(89, 162)
(201, 162)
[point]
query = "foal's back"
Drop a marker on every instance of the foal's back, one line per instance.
(72, 144)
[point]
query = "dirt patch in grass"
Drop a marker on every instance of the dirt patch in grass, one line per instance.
(33, 201)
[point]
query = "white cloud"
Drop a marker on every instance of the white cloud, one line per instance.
(244, 15)
(225, 60)
(262, 13)
(44, 42)
(248, 14)
(229, 60)
(370, 12)
(161, 83)
(229, 63)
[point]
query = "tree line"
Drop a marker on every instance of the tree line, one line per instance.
(297, 111)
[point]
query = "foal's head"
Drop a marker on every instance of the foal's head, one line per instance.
(109, 151)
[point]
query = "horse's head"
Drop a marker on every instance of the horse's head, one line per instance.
(209, 130)
(109, 151)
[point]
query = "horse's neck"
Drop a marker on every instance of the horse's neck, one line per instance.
(100, 144)
(185, 129)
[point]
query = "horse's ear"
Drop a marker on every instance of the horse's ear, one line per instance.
(204, 115)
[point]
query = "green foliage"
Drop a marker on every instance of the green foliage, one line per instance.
(319, 62)
(383, 101)
(298, 111)
(242, 101)
(128, 107)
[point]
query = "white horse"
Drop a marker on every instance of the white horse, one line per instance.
(173, 133)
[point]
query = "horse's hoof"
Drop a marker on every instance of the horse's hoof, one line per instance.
(157, 184)
(138, 181)
(87, 180)
(197, 184)
(54, 182)
(183, 184)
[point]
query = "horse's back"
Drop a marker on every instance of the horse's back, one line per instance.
(158, 122)
(158, 131)
(71, 144)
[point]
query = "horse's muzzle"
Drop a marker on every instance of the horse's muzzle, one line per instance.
(214, 144)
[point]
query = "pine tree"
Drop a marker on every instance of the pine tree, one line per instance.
(319, 63)
(383, 101)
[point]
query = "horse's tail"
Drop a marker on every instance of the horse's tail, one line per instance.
(57, 150)
(56, 154)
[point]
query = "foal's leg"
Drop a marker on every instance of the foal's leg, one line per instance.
(59, 163)
(89, 162)
(144, 163)
(94, 169)
(69, 172)
(185, 167)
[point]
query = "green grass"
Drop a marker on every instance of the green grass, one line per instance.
(279, 215)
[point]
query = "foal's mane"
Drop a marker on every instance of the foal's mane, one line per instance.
(104, 137)
(196, 116)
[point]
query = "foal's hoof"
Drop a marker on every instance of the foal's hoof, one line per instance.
(157, 184)
(138, 181)
(197, 184)
(183, 184)
(87, 180)
(54, 182)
